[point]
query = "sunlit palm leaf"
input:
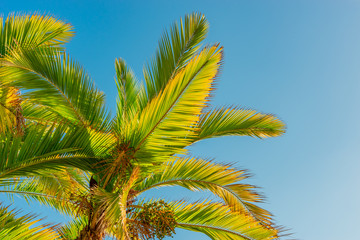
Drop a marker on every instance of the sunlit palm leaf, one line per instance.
(221, 180)
(44, 147)
(14, 227)
(168, 122)
(193, 170)
(175, 48)
(41, 114)
(71, 230)
(60, 189)
(32, 31)
(52, 79)
(220, 223)
(128, 92)
(241, 122)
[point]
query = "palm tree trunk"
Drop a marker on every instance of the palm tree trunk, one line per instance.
(94, 230)
(91, 234)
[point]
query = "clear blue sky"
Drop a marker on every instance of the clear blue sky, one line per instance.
(297, 59)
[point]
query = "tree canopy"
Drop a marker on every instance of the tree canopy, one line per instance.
(61, 146)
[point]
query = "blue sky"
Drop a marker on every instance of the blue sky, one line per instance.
(296, 59)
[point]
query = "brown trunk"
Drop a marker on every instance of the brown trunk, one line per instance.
(94, 230)
(90, 234)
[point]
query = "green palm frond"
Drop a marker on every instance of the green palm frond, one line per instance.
(167, 124)
(14, 227)
(41, 114)
(45, 148)
(176, 47)
(32, 30)
(59, 189)
(71, 230)
(128, 92)
(201, 175)
(191, 173)
(219, 223)
(240, 122)
(52, 79)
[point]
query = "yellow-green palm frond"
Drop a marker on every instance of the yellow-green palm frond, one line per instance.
(32, 30)
(71, 230)
(176, 47)
(52, 79)
(98, 144)
(242, 198)
(14, 227)
(201, 175)
(34, 112)
(11, 117)
(220, 223)
(128, 92)
(240, 122)
(167, 124)
(61, 189)
(44, 148)
(192, 173)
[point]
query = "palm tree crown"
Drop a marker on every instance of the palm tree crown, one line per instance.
(61, 146)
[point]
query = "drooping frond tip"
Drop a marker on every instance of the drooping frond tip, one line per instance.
(226, 121)
(219, 222)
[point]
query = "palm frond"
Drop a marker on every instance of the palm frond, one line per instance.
(219, 223)
(52, 79)
(44, 147)
(14, 227)
(59, 189)
(167, 124)
(71, 230)
(240, 122)
(201, 175)
(33, 112)
(176, 47)
(32, 31)
(128, 92)
(194, 170)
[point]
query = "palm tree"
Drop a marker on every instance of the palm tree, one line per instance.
(144, 146)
